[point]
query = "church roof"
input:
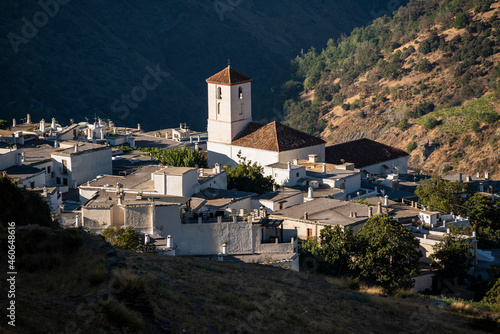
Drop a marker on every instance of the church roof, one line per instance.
(362, 152)
(229, 76)
(274, 137)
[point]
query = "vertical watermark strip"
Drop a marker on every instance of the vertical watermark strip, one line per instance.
(11, 274)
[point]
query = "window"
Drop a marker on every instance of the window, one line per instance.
(309, 233)
(297, 174)
(48, 169)
(58, 180)
(65, 167)
(65, 181)
(241, 109)
(281, 206)
(32, 185)
(219, 93)
(240, 93)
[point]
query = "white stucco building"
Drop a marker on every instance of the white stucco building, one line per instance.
(231, 131)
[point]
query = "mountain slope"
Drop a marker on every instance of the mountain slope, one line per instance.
(92, 57)
(412, 82)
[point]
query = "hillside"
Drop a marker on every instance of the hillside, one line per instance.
(82, 57)
(426, 81)
(70, 281)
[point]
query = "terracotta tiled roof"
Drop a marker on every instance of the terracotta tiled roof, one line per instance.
(229, 76)
(274, 137)
(362, 152)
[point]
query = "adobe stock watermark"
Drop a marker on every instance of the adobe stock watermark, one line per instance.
(139, 93)
(29, 30)
(222, 7)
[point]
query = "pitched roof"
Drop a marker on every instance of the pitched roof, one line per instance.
(229, 76)
(362, 152)
(275, 137)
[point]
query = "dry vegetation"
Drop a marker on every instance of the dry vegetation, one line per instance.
(149, 293)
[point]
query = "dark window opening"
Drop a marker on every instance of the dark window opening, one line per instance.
(240, 93)
(58, 180)
(65, 181)
(219, 93)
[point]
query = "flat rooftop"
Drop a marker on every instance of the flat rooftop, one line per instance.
(103, 199)
(175, 170)
(83, 148)
(280, 195)
(138, 180)
(22, 172)
(326, 212)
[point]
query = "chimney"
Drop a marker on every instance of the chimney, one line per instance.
(386, 201)
(77, 221)
(14, 122)
(324, 168)
(190, 139)
(99, 121)
(76, 148)
(56, 143)
(274, 186)
(111, 124)
(198, 138)
(138, 126)
(102, 132)
(295, 161)
(310, 192)
(169, 241)
(486, 175)
(23, 157)
(370, 214)
(379, 208)
(53, 125)
(180, 126)
(196, 146)
(147, 239)
(202, 172)
(306, 216)
(120, 199)
(44, 192)
(217, 168)
(289, 165)
(313, 158)
(42, 125)
(139, 195)
(224, 249)
(28, 119)
(90, 133)
(468, 178)
(460, 178)
(478, 175)
(355, 214)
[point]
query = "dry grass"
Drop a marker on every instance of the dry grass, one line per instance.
(464, 308)
(127, 280)
(121, 316)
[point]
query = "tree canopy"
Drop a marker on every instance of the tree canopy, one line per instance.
(4, 125)
(248, 177)
(442, 195)
(484, 218)
(452, 257)
(22, 206)
(388, 253)
(178, 156)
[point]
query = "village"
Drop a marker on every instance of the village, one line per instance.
(91, 181)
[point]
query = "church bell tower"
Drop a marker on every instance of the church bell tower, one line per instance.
(229, 105)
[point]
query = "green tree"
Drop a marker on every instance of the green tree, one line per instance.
(452, 257)
(338, 248)
(178, 156)
(248, 177)
(22, 206)
(388, 253)
(4, 125)
(442, 195)
(124, 237)
(483, 215)
(461, 21)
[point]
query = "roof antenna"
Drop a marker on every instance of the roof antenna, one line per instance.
(228, 62)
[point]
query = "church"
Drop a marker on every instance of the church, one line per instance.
(231, 130)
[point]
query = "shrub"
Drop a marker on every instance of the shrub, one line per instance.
(71, 239)
(461, 21)
(475, 126)
(120, 315)
(411, 146)
(127, 238)
(430, 123)
(424, 66)
(127, 280)
(403, 124)
(98, 272)
(362, 114)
